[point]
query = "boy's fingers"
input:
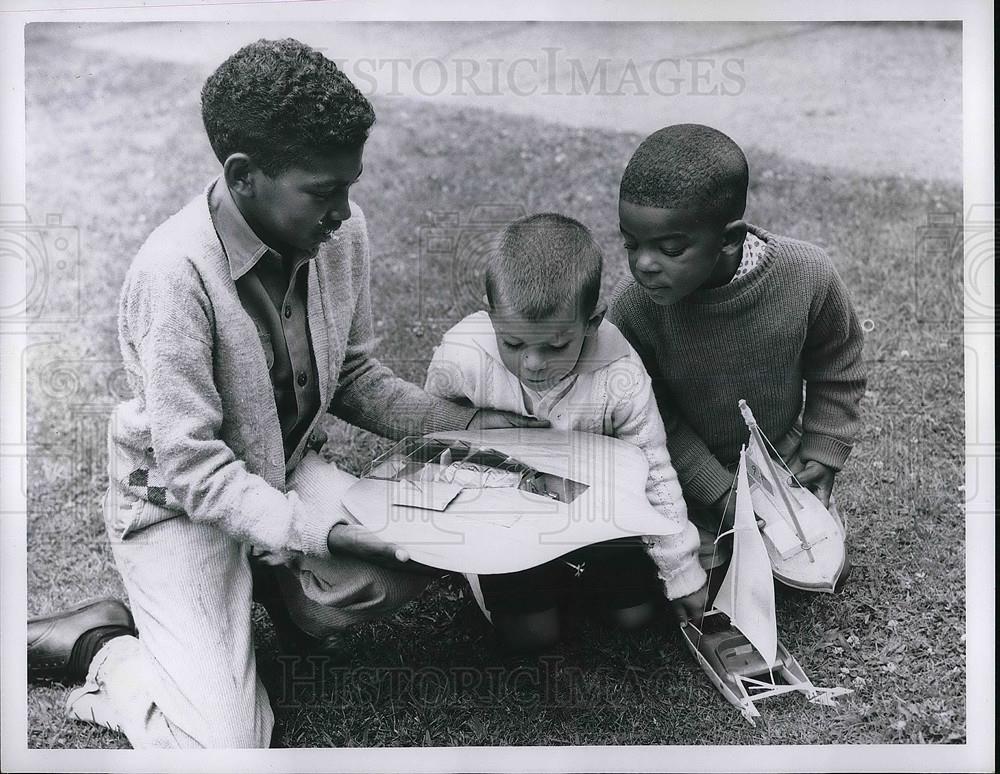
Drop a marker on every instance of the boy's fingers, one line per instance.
(488, 419)
(356, 540)
(795, 465)
(818, 479)
(811, 473)
(516, 420)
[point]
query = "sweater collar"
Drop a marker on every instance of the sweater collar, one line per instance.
(242, 246)
(738, 285)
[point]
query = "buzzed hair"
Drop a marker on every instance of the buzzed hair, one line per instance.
(690, 167)
(541, 264)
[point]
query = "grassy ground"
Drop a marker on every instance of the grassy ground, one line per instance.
(116, 147)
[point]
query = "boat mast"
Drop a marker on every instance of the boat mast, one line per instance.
(755, 432)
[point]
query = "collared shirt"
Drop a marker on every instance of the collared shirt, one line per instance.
(273, 291)
(753, 251)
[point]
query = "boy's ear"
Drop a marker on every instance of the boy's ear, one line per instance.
(597, 316)
(239, 170)
(733, 234)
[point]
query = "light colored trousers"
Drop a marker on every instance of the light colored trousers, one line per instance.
(190, 678)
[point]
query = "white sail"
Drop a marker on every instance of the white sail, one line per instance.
(757, 467)
(747, 592)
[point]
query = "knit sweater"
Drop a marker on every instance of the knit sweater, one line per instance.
(607, 393)
(201, 435)
(759, 337)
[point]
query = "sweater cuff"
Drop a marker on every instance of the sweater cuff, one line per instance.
(686, 581)
(313, 527)
(832, 452)
(709, 483)
(448, 416)
(315, 537)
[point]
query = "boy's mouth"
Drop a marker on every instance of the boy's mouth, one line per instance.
(657, 291)
(662, 295)
(325, 232)
(655, 288)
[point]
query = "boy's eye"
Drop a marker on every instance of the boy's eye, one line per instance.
(329, 194)
(558, 347)
(512, 346)
(672, 253)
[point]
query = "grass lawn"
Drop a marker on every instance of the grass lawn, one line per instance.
(116, 147)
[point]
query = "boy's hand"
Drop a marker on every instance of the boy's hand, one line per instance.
(491, 419)
(692, 607)
(358, 541)
(818, 479)
(361, 542)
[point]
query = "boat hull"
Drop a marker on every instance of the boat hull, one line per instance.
(818, 569)
(728, 658)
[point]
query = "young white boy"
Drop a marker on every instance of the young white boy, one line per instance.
(544, 349)
(720, 310)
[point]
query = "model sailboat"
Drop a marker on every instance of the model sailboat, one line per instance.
(804, 540)
(742, 655)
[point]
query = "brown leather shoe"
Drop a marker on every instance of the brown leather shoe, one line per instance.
(62, 645)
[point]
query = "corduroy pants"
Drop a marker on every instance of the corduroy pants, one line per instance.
(190, 678)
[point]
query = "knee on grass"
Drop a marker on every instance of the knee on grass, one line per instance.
(630, 618)
(529, 632)
(323, 604)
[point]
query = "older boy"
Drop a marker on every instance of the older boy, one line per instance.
(720, 310)
(243, 319)
(545, 349)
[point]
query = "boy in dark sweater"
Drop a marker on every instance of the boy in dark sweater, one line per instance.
(721, 310)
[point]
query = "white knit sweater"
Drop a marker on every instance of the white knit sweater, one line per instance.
(608, 393)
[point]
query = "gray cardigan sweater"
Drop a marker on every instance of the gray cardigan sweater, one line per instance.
(200, 436)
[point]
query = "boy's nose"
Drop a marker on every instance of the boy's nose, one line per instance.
(646, 263)
(341, 210)
(533, 361)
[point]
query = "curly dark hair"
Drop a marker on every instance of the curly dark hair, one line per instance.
(280, 101)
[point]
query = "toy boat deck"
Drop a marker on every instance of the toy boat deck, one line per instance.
(816, 569)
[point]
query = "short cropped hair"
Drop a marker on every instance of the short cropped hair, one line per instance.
(280, 102)
(541, 264)
(691, 167)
